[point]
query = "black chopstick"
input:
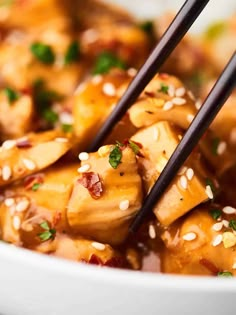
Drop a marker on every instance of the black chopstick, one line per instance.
(213, 103)
(178, 28)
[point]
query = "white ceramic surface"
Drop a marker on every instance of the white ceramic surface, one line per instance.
(33, 284)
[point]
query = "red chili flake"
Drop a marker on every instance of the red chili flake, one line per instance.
(209, 265)
(93, 183)
(114, 262)
(23, 144)
(56, 218)
(150, 94)
(29, 181)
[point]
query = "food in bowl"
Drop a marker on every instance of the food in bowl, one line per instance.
(64, 66)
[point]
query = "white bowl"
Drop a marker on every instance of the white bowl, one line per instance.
(34, 284)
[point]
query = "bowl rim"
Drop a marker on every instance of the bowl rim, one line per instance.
(128, 278)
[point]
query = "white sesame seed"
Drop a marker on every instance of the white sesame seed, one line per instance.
(90, 36)
(16, 221)
(8, 144)
(182, 170)
(22, 205)
(191, 96)
(62, 140)
(9, 202)
(155, 134)
(180, 92)
(84, 168)
(124, 205)
(30, 165)
(189, 236)
(109, 89)
(66, 118)
(217, 226)
(221, 148)
(168, 105)
(190, 173)
(198, 104)
(6, 172)
(97, 79)
(12, 210)
(233, 135)
(83, 156)
(178, 101)
(229, 210)
(183, 182)
(217, 240)
(190, 118)
(209, 192)
(225, 223)
(152, 231)
(132, 72)
(98, 246)
(171, 90)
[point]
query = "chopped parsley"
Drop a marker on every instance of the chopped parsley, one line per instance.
(215, 30)
(48, 234)
(106, 61)
(50, 116)
(147, 27)
(164, 88)
(36, 186)
(115, 157)
(226, 274)
(43, 53)
(215, 145)
(11, 95)
(215, 213)
(232, 224)
(67, 128)
(134, 146)
(72, 53)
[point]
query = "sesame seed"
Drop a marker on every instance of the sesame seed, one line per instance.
(225, 223)
(16, 221)
(221, 147)
(61, 140)
(90, 36)
(178, 101)
(132, 72)
(22, 205)
(191, 96)
(12, 210)
(189, 236)
(124, 205)
(229, 239)
(97, 79)
(217, 226)
(151, 231)
(8, 144)
(83, 156)
(183, 182)
(109, 89)
(190, 173)
(168, 105)
(182, 170)
(30, 165)
(190, 118)
(180, 92)
(98, 246)
(217, 240)
(171, 90)
(66, 118)
(209, 192)
(229, 210)
(155, 134)
(198, 104)
(9, 202)
(84, 168)
(6, 172)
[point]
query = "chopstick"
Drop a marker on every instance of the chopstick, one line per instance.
(213, 103)
(178, 28)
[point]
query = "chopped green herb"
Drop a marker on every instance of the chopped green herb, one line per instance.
(11, 95)
(43, 53)
(106, 61)
(67, 128)
(134, 146)
(232, 224)
(50, 116)
(215, 213)
(215, 144)
(36, 186)
(226, 274)
(215, 30)
(115, 157)
(147, 27)
(48, 233)
(164, 88)
(72, 53)
(209, 182)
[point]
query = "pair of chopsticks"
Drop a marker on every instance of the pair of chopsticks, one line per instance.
(213, 103)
